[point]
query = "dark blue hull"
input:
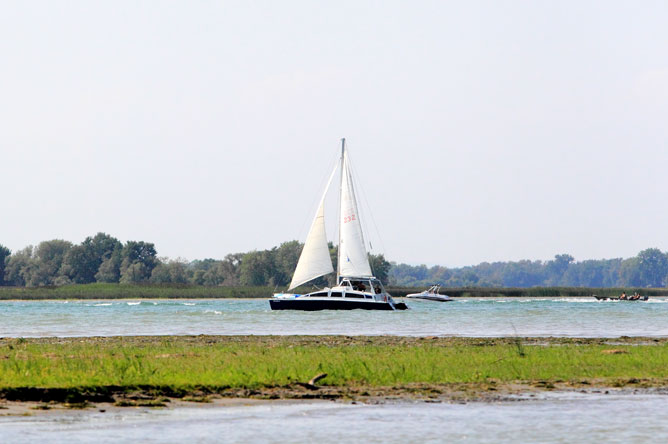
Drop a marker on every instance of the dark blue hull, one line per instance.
(307, 304)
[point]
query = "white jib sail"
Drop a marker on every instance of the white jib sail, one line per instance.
(315, 260)
(353, 259)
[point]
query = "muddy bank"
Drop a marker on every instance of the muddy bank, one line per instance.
(337, 341)
(452, 393)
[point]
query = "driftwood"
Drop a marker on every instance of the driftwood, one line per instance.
(311, 384)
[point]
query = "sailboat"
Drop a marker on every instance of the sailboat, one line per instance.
(356, 286)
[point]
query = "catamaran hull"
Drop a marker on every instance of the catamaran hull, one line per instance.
(307, 304)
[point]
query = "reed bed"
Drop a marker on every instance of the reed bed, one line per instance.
(132, 291)
(181, 291)
(482, 292)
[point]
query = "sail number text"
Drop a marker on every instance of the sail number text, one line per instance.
(347, 219)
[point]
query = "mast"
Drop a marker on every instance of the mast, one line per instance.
(338, 249)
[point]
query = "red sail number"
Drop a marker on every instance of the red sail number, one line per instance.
(347, 219)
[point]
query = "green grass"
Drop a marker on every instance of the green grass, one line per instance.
(127, 291)
(177, 291)
(182, 363)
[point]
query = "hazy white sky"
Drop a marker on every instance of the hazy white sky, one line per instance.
(480, 131)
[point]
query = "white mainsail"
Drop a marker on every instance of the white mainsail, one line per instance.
(315, 260)
(353, 259)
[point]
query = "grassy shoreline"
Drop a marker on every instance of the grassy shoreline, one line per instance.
(135, 370)
(173, 291)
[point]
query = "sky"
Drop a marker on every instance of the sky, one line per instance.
(479, 130)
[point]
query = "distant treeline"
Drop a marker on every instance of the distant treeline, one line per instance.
(105, 259)
(648, 269)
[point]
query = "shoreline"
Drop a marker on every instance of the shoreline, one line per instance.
(517, 392)
(66, 299)
(185, 291)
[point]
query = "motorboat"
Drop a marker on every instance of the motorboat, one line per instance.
(432, 294)
(606, 298)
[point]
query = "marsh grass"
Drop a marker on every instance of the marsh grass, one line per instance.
(128, 291)
(482, 292)
(178, 291)
(180, 366)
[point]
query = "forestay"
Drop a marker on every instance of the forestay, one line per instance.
(353, 259)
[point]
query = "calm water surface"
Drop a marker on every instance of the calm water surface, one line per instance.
(579, 317)
(556, 418)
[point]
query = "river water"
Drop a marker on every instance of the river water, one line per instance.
(552, 418)
(548, 418)
(484, 317)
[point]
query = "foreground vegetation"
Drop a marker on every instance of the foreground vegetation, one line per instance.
(80, 369)
(183, 291)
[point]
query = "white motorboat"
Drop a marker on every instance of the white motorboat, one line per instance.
(356, 287)
(431, 295)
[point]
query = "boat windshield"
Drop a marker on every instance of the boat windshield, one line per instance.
(364, 285)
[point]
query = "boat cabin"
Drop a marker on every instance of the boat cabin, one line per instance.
(366, 285)
(358, 288)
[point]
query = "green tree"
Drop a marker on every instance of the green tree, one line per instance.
(19, 267)
(82, 262)
(556, 269)
(110, 268)
(214, 276)
(257, 268)
(134, 273)
(330, 279)
(4, 256)
(231, 269)
(48, 259)
(285, 260)
(174, 272)
(210, 272)
(138, 261)
(380, 267)
(438, 274)
(653, 267)
(629, 273)
(523, 274)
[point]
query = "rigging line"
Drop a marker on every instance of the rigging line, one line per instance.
(357, 186)
(315, 201)
(373, 219)
(360, 191)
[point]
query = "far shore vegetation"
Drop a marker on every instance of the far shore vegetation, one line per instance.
(146, 368)
(103, 259)
(186, 291)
